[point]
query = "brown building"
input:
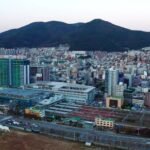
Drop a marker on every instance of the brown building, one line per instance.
(114, 102)
(147, 99)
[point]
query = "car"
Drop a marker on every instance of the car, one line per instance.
(16, 123)
(35, 128)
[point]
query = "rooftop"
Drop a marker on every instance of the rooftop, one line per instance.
(12, 56)
(62, 85)
(115, 97)
(130, 90)
(106, 119)
(22, 93)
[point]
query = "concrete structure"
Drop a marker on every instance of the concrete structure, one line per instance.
(147, 99)
(34, 113)
(4, 108)
(129, 77)
(119, 89)
(39, 73)
(22, 98)
(104, 122)
(111, 78)
(138, 102)
(14, 71)
(114, 102)
(38, 111)
(71, 92)
(128, 95)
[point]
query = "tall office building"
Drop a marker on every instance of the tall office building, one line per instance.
(106, 76)
(14, 71)
(111, 80)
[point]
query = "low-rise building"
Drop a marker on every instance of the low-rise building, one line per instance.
(70, 91)
(38, 111)
(19, 99)
(114, 102)
(104, 122)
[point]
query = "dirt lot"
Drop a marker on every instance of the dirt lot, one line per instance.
(28, 141)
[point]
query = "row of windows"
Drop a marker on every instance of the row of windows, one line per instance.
(104, 123)
(73, 95)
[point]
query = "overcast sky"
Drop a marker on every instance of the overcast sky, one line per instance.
(133, 14)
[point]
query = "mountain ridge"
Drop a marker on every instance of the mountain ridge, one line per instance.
(94, 35)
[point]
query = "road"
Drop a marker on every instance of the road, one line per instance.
(82, 134)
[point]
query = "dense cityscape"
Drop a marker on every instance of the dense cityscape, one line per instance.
(74, 75)
(95, 97)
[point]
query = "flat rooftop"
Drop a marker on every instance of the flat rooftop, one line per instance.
(56, 112)
(60, 109)
(62, 86)
(12, 57)
(22, 93)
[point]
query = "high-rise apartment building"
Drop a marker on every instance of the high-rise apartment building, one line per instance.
(14, 71)
(111, 80)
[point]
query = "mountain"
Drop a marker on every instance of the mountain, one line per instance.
(94, 35)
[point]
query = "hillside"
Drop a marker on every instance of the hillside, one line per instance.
(94, 35)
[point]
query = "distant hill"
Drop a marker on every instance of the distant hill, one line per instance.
(94, 35)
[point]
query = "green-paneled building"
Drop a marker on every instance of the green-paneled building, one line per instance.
(14, 72)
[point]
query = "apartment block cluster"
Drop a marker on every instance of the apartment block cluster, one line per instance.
(128, 85)
(114, 80)
(27, 88)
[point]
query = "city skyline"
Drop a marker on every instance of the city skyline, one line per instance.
(74, 74)
(130, 14)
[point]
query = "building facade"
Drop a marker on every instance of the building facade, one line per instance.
(119, 89)
(71, 92)
(104, 122)
(114, 102)
(147, 99)
(128, 95)
(39, 73)
(14, 71)
(111, 80)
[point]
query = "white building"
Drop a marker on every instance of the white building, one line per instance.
(70, 91)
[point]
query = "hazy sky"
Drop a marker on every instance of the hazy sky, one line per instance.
(133, 14)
